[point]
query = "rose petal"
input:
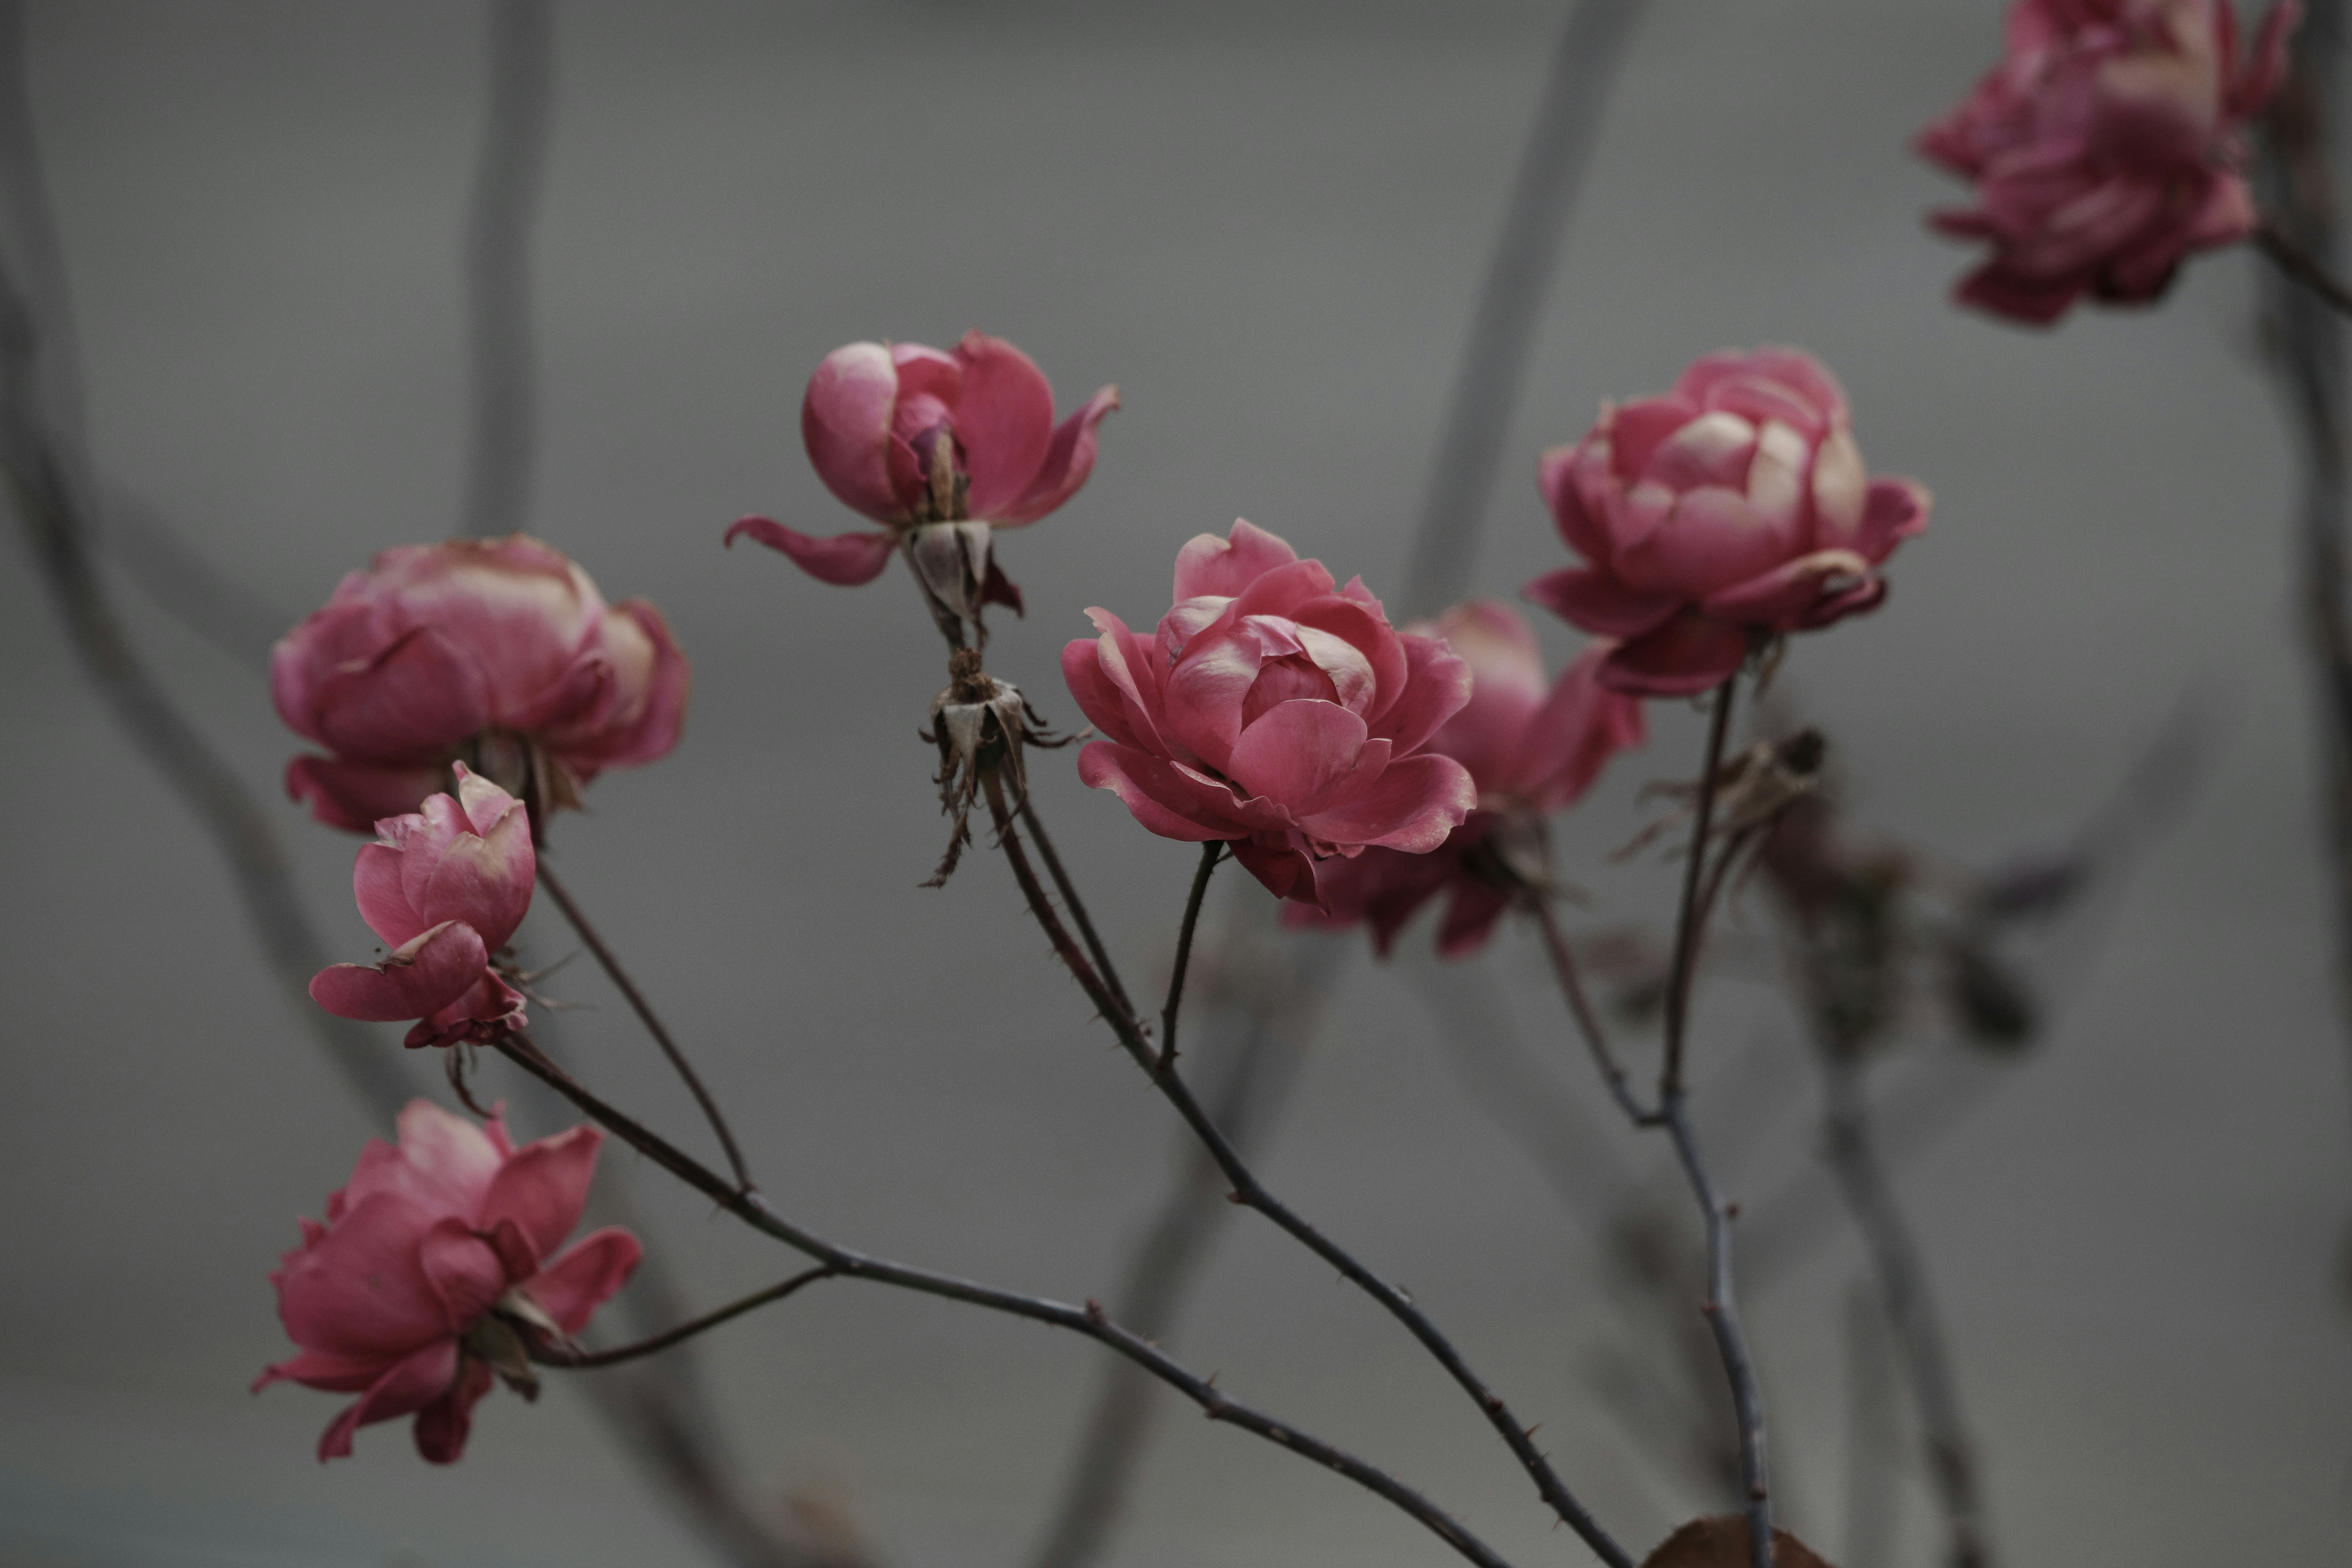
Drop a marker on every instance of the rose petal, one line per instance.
(423, 976)
(845, 560)
(586, 1277)
(845, 424)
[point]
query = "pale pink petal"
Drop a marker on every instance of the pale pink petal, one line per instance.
(489, 1010)
(1712, 539)
(656, 679)
(544, 1186)
(845, 560)
(1297, 754)
(1210, 566)
(1070, 459)
(424, 693)
(360, 1290)
(1204, 695)
(1435, 688)
(383, 903)
(1579, 727)
(1413, 805)
(1638, 428)
(586, 1277)
(1507, 687)
(485, 881)
(1893, 511)
(1003, 421)
(422, 976)
(1558, 472)
(845, 424)
(443, 1164)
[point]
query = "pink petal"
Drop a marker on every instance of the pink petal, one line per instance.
(1163, 799)
(1126, 664)
(489, 1008)
(1203, 694)
(1103, 703)
(845, 560)
(466, 1274)
(2266, 65)
(423, 976)
(1298, 752)
(1893, 511)
(1596, 600)
(443, 1426)
(1690, 653)
(1070, 459)
(410, 1384)
(1280, 865)
(383, 902)
(573, 1287)
(1003, 421)
(845, 424)
(1507, 687)
(1766, 384)
(1365, 630)
(1783, 597)
(423, 694)
(360, 1290)
(1556, 475)
(485, 881)
(1580, 726)
(327, 1372)
(1436, 687)
(2037, 302)
(1470, 916)
(443, 1164)
(544, 1186)
(1208, 565)
(1415, 803)
(1637, 429)
(1712, 539)
(355, 795)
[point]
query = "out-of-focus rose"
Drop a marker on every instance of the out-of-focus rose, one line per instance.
(2104, 148)
(436, 1265)
(496, 652)
(1531, 751)
(1274, 711)
(446, 889)
(939, 447)
(1734, 504)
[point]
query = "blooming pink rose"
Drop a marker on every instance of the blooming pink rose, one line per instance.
(435, 1267)
(2104, 148)
(446, 889)
(497, 651)
(1274, 711)
(1734, 504)
(911, 436)
(1531, 751)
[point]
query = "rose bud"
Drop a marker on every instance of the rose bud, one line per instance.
(939, 449)
(1275, 711)
(2104, 148)
(438, 1265)
(1735, 506)
(500, 653)
(1530, 751)
(445, 888)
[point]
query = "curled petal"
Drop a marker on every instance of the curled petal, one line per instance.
(421, 695)
(1003, 421)
(1163, 798)
(544, 1186)
(466, 1275)
(442, 1163)
(845, 420)
(1893, 511)
(359, 1291)
(410, 1385)
(1690, 653)
(660, 676)
(1436, 686)
(1069, 460)
(1224, 567)
(845, 560)
(421, 977)
(1282, 865)
(443, 1426)
(1299, 753)
(1786, 596)
(355, 795)
(1415, 802)
(586, 1277)
(490, 1009)
(1597, 602)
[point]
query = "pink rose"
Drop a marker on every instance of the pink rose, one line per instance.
(2104, 148)
(915, 440)
(435, 1267)
(499, 652)
(1274, 711)
(1531, 752)
(1736, 504)
(445, 888)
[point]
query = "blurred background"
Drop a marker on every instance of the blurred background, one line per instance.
(1267, 225)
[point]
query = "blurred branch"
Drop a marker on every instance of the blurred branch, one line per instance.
(2306, 355)
(1872, 1436)
(503, 427)
(1510, 299)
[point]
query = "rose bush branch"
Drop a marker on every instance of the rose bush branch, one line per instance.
(1090, 1321)
(1249, 1192)
(566, 1356)
(654, 1026)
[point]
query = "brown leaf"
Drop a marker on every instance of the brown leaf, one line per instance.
(1722, 1542)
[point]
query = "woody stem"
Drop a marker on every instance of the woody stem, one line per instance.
(559, 1355)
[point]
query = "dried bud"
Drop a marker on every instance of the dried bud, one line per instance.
(980, 725)
(958, 574)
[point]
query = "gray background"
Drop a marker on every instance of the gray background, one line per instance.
(1266, 224)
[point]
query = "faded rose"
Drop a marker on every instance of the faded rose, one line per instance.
(1274, 711)
(1736, 504)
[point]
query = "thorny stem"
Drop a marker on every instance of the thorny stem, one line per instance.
(1250, 1193)
(564, 1356)
(1210, 852)
(1686, 927)
(653, 1027)
(1070, 901)
(1852, 1155)
(2300, 265)
(751, 1208)
(1722, 1311)
(1579, 1007)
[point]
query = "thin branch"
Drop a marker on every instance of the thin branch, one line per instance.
(502, 438)
(1071, 901)
(1722, 1309)
(1494, 364)
(564, 1356)
(654, 1026)
(2298, 264)
(1873, 1436)
(1579, 1007)
(1251, 1193)
(1209, 855)
(1090, 1321)
(1910, 1310)
(1686, 926)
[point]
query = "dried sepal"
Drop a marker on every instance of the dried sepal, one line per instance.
(1751, 790)
(980, 725)
(955, 567)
